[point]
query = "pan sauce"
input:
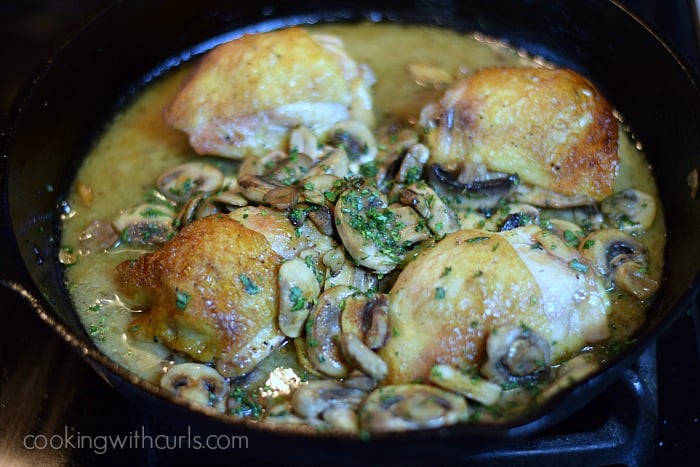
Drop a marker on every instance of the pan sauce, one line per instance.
(137, 147)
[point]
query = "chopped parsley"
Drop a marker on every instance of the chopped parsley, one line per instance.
(439, 293)
(182, 299)
(250, 287)
(577, 265)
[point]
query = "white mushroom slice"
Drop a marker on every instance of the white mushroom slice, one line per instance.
(472, 387)
(370, 232)
(570, 373)
(282, 197)
(621, 260)
(409, 407)
(411, 168)
(323, 330)
(516, 354)
(197, 383)
(99, 235)
(146, 224)
(181, 182)
(362, 357)
(323, 220)
(544, 198)
(367, 316)
(303, 356)
(356, 139)
(314, 398)
(298, 289)
(629, 210)
(252, 165)
(340, 271)
(303, 140)
(440, 219)
(413, 228)
(333, 161)
(255, 187)
(321, 190)
(290, 169)
(341, 419)
(568, 231)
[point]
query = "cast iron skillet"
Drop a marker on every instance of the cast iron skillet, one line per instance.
(130, 43)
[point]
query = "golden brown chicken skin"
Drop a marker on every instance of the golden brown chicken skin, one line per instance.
(448, 300)
(210, 293)
(550, 126)
(245, 95)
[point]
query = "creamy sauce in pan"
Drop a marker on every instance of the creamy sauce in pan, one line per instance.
(138, 146)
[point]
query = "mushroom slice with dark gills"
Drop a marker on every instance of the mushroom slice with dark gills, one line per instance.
(146, 224)
(629, 210)
(447, 300)
(197, 383)
(621, 260)
(210, 293)
(410, 407)
(550, 126)
(485, 191)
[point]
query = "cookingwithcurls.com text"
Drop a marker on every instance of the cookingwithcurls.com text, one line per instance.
(136, 439)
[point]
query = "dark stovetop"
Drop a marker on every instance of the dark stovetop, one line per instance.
(46, 389)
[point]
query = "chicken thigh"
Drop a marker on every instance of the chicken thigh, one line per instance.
(245, 96)
(210, 293)
(447, 301)
(551, 127)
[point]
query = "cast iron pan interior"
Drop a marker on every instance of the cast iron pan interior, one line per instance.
(131, 43)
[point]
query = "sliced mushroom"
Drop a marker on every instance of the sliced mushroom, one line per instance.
(303, 356)
(441, 220)
(369, 231)
(255, 187)
(569, 373)
(313, 399)
(323, 220)
(323, 330)
(291, 169)
(341, 418)
(411, 168)
(197, 383)
(629, 210)
(588, 217)
(367, 316)
(621, 260)
(414, 228)
(298, 290)
(99, 235)
(544, 198)
(568, 231)
(361, 357)
(339, 270)
(146, 224)
(181, 182)
(303, 140)
(410, 407)
(485, 191)
(282, 198)
(334, 161)
(322, 190)
(470, 386)
(356, 139)
(516, 354)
